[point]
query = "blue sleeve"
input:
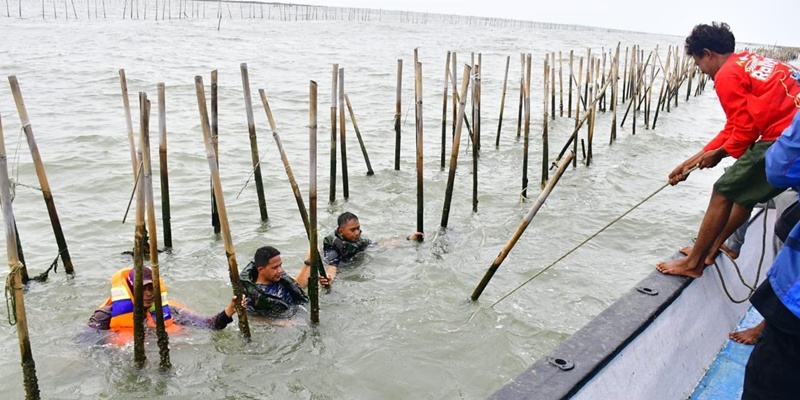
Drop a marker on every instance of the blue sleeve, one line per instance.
(783, 168)
(331, 256)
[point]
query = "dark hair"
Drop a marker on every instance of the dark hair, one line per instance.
(263, 255)
(716, 37)
(346, 217)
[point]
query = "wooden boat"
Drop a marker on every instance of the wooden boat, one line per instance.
(659, 339)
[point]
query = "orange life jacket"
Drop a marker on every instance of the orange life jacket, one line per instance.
(121, 302)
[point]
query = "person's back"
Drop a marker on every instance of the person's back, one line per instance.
(759, 96)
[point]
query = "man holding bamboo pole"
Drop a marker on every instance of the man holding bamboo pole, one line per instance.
(270, 292)
(116, 313)
(760, 96)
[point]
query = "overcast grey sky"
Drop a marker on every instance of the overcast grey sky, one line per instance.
(764, 21)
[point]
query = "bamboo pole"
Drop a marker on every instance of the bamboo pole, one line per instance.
(128, 123)
(301, 206)
(342, 136)
(139, 356)
(144, 144)
(15, 267)
(162, 158)
(476, 124)
(313, 284)
(545, 147)
(397, 115)
(444, 110)
(451, 176)
(526, 140)
(215, 144)
(370, 172)
(614, 93)
(63, 251)
(476, 138)
(560, 85)
(502, 103)
(552, 84)
(521, 228)
(251, 127)
(419, 147)
(453, 72)
(230, 252)
(521, 94)
(571, 80)
(334, 84)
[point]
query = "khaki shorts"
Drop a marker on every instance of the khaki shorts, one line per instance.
(745, 182)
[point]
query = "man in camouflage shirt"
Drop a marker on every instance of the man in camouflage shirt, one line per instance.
(346, 242)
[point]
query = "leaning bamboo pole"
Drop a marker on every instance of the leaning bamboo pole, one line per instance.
(342, 136)
(15, 267)
(444, 110)
(451, 176)
(521, 228)
(63, 251)
(251, 128)
(370, 172)
(144, 144)
(123, 82)
(298, 197)
(162, 158)
(502, 103)
(230, 252)
(334, 83)
(313, 284)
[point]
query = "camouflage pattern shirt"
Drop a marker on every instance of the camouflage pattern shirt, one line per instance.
(336, 250)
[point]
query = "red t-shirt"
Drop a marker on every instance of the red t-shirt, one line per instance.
(759, 96)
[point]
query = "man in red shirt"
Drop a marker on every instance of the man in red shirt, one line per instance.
(760, 97)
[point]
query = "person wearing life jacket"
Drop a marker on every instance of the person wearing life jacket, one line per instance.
(116, 313)
(270, 291)
(346, 242)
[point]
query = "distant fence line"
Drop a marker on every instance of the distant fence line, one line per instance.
(244, 9)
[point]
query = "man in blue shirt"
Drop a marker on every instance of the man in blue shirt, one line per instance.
(774, 364)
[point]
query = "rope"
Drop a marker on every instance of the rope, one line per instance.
(11, 304)
(752, 289)
(252, 171)
(587, 240)
(53, 266)
(15, 183)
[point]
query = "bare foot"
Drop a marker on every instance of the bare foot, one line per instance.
(680, 267)
(733, 255)
(685, 250)
(747, 336)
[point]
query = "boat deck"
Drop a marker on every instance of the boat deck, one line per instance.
(725, 376)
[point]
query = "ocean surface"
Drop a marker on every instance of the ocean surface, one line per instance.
(398, 323)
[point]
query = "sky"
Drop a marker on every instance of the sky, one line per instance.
(763, 22)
